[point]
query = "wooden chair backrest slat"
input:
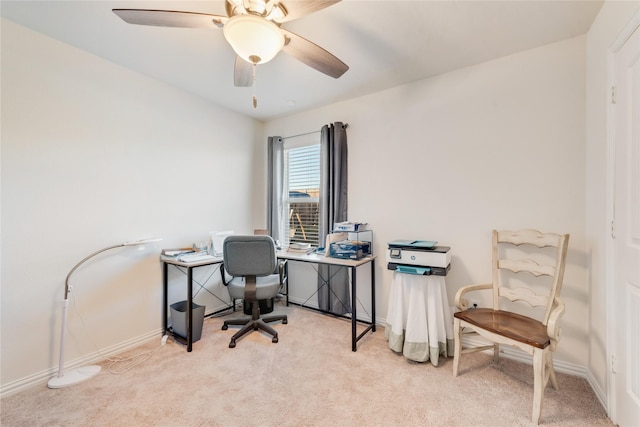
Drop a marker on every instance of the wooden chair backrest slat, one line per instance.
(524, 294)
(527, 265)
(548, 290)
(531, 237)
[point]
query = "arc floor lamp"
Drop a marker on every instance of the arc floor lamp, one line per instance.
(77, 375)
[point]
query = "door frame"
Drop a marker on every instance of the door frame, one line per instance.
(611, 318)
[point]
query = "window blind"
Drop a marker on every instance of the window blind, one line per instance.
(303, 177)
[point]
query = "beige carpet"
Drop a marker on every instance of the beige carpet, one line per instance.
(310, 378)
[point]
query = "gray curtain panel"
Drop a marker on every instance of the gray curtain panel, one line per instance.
(333, 281)
(275, 187)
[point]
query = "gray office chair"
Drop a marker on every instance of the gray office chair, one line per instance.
(256, 276)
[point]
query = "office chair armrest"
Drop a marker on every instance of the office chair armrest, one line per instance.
(553, 328)
(463, 303)
(223, 275)
(282, 270)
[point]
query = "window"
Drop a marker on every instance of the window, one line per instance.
(302, 173)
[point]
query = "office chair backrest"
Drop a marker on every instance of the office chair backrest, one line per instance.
(249, 255)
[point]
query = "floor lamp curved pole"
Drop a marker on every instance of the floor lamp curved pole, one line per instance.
(75, 376)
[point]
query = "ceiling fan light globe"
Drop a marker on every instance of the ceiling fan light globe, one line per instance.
(253, 37)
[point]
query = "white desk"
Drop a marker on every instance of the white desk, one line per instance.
(419, 321)
(290, 256)
(352, 265)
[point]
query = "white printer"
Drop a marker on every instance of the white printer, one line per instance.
(418, 257)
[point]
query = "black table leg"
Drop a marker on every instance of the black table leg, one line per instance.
(353, 310)
(189, 308)
(373, 295)
(165, 297)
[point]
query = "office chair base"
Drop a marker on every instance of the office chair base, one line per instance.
(250, 325)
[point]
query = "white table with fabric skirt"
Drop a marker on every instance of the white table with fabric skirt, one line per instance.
(419, 321)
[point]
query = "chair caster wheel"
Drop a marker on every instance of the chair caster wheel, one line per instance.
(274, 340)
(225, 327)
(232, 344)
(284, 321)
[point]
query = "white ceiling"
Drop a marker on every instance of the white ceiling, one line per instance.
(385, 43)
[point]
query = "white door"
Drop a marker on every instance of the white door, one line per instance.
(626, 127)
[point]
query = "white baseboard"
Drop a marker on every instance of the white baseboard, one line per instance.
(559, 365)
(43, 376)
(600, 394)
(508, 352)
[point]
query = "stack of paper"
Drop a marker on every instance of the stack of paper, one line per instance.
(196, 256)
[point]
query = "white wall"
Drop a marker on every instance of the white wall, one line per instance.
(612, 18)
(95, 155)
(497, 145)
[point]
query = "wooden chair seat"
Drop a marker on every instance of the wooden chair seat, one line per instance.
(510, 325)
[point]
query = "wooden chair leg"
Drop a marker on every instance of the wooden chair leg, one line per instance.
(552, 371)
(539, 363)
(496, 353)
(457, 348)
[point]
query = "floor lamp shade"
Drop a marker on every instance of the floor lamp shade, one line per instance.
(77, 375)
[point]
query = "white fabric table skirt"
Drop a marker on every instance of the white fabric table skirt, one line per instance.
(419, 322)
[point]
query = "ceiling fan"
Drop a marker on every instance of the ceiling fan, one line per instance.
(253, 29)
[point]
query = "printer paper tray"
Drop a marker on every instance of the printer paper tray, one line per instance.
(419, 269)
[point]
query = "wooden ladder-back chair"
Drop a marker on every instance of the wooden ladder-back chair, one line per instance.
(501, 325)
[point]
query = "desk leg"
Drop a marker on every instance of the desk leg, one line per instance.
(353, 310)
(373, 295)
(189, 308)
(286, 295)
(165, 298)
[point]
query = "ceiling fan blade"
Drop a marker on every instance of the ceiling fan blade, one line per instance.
(313, 55)
(299, 8)
(170, 18)
(242, 73)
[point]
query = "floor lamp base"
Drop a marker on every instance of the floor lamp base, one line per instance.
(74, 376)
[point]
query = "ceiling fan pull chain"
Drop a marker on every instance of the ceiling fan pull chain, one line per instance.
(255, 99)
